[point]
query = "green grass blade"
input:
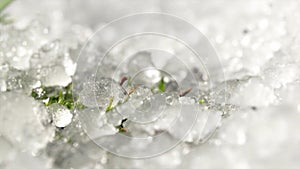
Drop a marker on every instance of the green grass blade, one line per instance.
(4, 4)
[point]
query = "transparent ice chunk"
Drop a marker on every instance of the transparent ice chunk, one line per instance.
(100, 93)
(61, 116)
(24, 122)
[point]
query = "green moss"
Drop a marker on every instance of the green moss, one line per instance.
(110, 106)
(61, 95)
(58, 136)
(201, 101)
(161, 85)
(5, 19)
(39, 93)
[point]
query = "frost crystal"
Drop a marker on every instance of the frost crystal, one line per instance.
(98, 93)
(61, 115)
